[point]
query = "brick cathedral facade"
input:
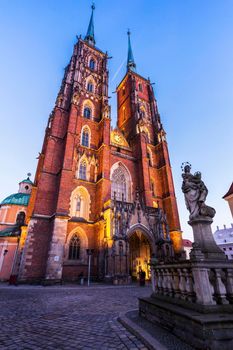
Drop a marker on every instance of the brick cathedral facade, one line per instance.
(98, 188)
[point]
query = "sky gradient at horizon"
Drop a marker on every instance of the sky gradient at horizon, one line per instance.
(184, 46)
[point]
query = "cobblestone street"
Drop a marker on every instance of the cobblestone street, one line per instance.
(75, 317)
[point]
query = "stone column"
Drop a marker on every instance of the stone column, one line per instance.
(203, 236)
(202, 286)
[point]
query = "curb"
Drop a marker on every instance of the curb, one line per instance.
(150, 342)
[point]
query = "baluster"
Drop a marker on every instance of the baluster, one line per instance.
(182, 284)
(169, 283)
(189, 285)
(175, 283)
(229, 285)
(159, 281)
(220, 290)
(164, 282)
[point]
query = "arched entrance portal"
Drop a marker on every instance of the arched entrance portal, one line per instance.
(139, 254)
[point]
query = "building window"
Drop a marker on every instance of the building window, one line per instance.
(90, 87)
(140, 87)
(20, 219)
(92, 64)
(153, 189)
(224, 249)
(78, 206)
(230, 248)
(85, 138)
(123, 91)
(120, 184)
(124, 114)
(87, 112)
(74, 248)
(83, 171)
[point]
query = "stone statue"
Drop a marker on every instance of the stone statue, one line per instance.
(195, 193)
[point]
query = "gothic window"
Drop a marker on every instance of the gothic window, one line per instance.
(87, 112)
(74, 248)
(92, 64)
(120, 184)
(149, 156)
(124, 114)
(153, 188)
(78, 205)
(123, 91)
(83, 171)
(90, 87)
(140, 87)
(85, 138)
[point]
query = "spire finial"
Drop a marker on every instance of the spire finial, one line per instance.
(90, 37)
(131, 65)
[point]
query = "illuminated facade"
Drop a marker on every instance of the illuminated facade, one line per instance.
(110, 190)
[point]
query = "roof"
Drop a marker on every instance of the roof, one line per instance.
(187, 243)
(17, 199)
(229, 192)
(10, 231)
(27, 180)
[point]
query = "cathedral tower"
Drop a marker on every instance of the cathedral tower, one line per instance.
(108, 191)
(139, 121)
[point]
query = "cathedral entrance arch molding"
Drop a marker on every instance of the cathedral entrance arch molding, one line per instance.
(145, 231)
(141, 247)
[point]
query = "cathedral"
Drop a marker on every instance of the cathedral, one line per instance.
(103, 198)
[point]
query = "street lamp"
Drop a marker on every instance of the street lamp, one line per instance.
(89, 253)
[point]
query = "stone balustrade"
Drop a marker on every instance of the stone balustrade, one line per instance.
(196, 282)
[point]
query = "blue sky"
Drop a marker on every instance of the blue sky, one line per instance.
(184, 46)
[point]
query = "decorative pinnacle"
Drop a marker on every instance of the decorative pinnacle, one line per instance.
(90, 37)
(131, 65)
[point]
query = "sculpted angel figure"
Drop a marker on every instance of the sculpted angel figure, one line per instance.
(195, 193)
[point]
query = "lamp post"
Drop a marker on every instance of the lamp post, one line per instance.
(89, 253)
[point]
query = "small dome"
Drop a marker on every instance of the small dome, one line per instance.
(17, 199)
(27, 180)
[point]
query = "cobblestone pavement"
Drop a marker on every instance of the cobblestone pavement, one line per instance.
(76, 317)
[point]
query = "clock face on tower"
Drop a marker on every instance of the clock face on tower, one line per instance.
(118, 138)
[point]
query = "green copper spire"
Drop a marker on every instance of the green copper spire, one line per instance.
(90, 37)
(131, 65)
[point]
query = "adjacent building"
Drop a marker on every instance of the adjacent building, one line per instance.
(229, 198)
(13, 210)
(224, 239)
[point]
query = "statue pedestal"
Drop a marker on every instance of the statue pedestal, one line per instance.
(204, 238)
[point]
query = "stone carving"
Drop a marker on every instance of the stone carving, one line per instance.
(195, 193)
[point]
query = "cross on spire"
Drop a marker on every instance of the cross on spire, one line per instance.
(90, 36)
(131, 65)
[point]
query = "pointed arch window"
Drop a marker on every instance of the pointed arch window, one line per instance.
(92, 64)
(153, 188)
(83, 171)
(124, 113)
(140, 87)
(85, 138)
(78, 205)
(74, 248)
(90, 87)
(119, 184)
(87, 112)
